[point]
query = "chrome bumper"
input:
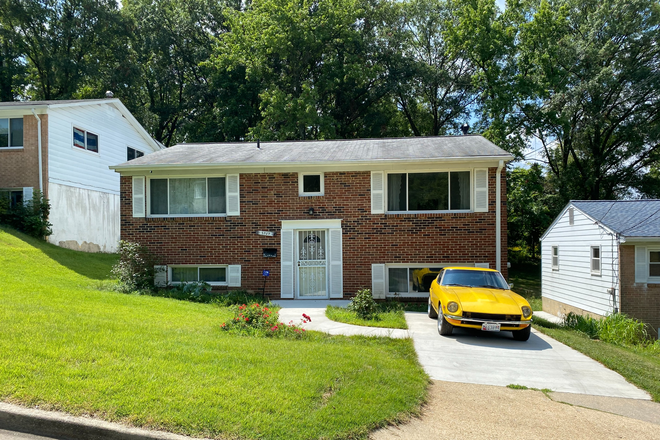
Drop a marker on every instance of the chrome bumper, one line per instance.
(502, 323)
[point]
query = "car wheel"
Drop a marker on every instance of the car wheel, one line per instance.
(444, 327)
(432, 313)
(522, 335)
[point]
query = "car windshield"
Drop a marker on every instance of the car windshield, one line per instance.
(474, 278)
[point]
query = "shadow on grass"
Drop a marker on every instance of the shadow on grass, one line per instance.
(95, 266)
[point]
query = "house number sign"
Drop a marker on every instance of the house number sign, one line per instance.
(266, 233)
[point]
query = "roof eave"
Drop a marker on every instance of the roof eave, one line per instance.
(267, 165)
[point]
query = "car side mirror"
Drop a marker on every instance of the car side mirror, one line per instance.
(510, 286)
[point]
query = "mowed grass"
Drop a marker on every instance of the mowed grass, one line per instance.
(386, 318)
(161, 363)
(640, 366)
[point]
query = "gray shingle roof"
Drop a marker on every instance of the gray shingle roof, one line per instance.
(319, 152)
(630, 218)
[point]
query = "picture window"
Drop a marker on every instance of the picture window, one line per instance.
(448, 191)
(11, 132)
(188, 196)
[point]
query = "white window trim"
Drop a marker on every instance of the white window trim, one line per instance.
(552, 257)
(16, 147)
(415, 266)
(148, 198)
(301, 191)
(444, 211)
(82, 128)
(650, 279)
(600, 260)
(198, 266)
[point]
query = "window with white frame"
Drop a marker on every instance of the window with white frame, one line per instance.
(310, 184)
(555, 257)
(132, 153)
(214, 275)
(654, 263)
(12, 197)
(11, 132)
(187, 196)
(85, 140)
(447, 191)
(403, 280)
(595, 260)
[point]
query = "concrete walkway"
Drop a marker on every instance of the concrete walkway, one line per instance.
(484, 358)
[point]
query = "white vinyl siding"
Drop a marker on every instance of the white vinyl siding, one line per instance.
(573, 284)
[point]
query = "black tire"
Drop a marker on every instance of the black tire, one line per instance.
(444, 327)
(431, 311)
(522, 335)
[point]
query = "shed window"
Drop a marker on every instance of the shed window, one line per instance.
(595, 260)
(555, 258)
(11, 132)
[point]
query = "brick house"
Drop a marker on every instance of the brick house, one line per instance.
(64, 149)
(324, 218)
(602, 257)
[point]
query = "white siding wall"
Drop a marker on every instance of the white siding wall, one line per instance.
(573, 283)
(72, 166)
(82, 219)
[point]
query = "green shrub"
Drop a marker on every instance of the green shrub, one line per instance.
(135, 268)
(236, 297)
(616, 329)
(30, 217)
(194, 292)
(363, 304)
(584, 324)
(258, 320)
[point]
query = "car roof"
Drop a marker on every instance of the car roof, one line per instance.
(484, 269)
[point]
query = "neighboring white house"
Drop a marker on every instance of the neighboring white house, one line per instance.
(65, 149)
(602, 257)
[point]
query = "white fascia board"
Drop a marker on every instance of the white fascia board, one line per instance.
(639, 240)
(285, 167)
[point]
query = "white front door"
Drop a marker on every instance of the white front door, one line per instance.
(312, 267)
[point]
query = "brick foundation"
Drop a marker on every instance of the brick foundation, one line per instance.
(268, 198)
(638, 300)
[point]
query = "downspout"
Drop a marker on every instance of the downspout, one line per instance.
(41, 175)
(498, 217)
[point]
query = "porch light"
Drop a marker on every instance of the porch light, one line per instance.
(310, 211)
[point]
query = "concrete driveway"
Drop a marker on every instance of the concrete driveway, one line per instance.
(472, 356)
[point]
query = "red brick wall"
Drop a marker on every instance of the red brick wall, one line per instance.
(367, 238)
(20, 168)
(640, 301)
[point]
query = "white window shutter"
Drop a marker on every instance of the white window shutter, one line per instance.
(377, 192)
(484, 265)
(378, 281)
(160, 276)
(28, 192)
(641, 265)
(233, 196)
(336, 281)
(287, 260)
(234, 275)
(138, 196)
(481, 190)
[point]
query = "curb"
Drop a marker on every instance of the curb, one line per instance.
(67, 427)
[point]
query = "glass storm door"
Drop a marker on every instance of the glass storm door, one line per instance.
(312, 264)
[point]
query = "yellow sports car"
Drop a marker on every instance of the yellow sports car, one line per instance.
(478, 298)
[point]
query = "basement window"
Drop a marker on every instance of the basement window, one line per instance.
(214, 275)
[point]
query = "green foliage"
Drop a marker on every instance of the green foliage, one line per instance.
(237, 297)
(616, 329)
(135, 268)
(30, 217)
(363, 304)
(195, 292)
(258, 320)
(386, 317)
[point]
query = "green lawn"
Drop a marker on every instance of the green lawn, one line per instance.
(638, 365)
(161, 363)
(526, 278)
(387, 319)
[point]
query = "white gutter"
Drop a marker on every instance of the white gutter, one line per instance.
(41, 174)
(498, 217)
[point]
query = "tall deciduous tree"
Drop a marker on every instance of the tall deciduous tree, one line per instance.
(61, 42)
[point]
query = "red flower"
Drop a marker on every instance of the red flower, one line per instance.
(247, 319)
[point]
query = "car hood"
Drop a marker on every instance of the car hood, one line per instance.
(484, 300)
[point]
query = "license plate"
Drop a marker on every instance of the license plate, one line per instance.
(490, 327)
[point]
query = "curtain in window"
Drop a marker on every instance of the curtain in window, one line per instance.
(184, 274)
(213, 274)
(460, 190)
(398, 280)
(188, 196)
(217, 198)
(428, 191)
(158, 196)
(396, 192)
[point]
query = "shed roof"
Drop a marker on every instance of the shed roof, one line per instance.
(630, 218)
(411, 149)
